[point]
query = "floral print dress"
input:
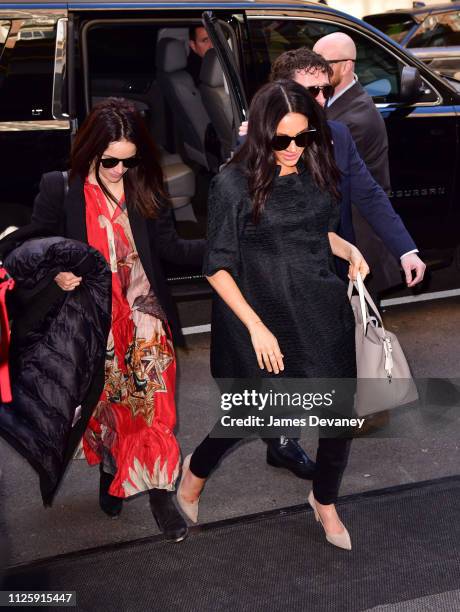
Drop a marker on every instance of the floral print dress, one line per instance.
(131, 429)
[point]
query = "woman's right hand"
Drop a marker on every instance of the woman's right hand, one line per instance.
(266, 347)
(67, 280)
(357, 264)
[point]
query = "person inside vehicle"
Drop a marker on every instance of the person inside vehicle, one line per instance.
(199, 43)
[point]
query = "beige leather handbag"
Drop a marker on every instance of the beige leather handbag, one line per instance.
(384, 377)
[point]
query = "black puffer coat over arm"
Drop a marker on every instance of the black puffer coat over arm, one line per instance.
(57, 352)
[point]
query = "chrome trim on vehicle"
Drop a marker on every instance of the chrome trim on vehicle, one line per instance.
(59, 69)
(417, 115)
(420, 114)
(32, 15)
(256, 14)
(31, 126)
(435, 52)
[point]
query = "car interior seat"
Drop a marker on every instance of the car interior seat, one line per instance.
(184, 99)
(217, 100)
(180, 183)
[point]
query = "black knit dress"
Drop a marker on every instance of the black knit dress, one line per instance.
(284, 268)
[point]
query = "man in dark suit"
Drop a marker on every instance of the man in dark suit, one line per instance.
(357, 185)
(353, 106)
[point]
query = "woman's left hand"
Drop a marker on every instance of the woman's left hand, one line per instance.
(357, 264)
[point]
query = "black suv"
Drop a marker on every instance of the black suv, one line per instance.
(58, 59)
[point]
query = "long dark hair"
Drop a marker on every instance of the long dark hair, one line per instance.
(268, 107)
(116, 119)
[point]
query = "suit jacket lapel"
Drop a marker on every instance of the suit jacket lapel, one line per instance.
(343, 102)
(75, 217)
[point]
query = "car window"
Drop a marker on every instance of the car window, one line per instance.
(378, 70)
(446, 66)
(191, 122)
(270, 38)
(26, 71)
(394, 25)
(122, 49)
(441, 30)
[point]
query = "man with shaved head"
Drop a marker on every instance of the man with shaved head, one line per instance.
(352, 105)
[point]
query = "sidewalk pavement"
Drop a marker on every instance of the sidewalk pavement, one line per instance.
(430, 334)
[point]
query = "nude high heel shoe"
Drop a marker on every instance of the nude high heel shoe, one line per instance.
(342, 540)
(190, 509)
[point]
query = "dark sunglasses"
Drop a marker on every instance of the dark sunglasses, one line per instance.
(111, 162)
(328, 90)
(303, 139)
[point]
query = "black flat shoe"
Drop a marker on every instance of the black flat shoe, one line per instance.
(287, 453)
(110, 504)
(167, 516)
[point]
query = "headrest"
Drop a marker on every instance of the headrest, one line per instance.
(211, 73)
(171, 55)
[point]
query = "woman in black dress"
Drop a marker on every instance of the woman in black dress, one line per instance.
(279, 306)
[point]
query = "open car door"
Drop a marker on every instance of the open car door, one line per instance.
(229, 66)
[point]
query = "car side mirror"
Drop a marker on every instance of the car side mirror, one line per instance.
(411, 85)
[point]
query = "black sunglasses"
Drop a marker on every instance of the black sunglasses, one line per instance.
(328, 90)
(128, 162)
(303, 139)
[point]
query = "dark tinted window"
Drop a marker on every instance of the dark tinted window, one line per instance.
(396, 26)
(441, 30)
(122, 49)
(271, 37)
(378, 71)
(26, 72)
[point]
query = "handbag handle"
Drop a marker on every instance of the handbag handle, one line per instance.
(364, 300)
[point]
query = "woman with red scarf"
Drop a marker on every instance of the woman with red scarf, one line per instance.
(117, 203)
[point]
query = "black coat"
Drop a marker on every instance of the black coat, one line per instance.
(57, 351)
(155, 239)
(356, 109)
(283, 266)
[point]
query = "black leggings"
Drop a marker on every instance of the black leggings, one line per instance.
(331, 460)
